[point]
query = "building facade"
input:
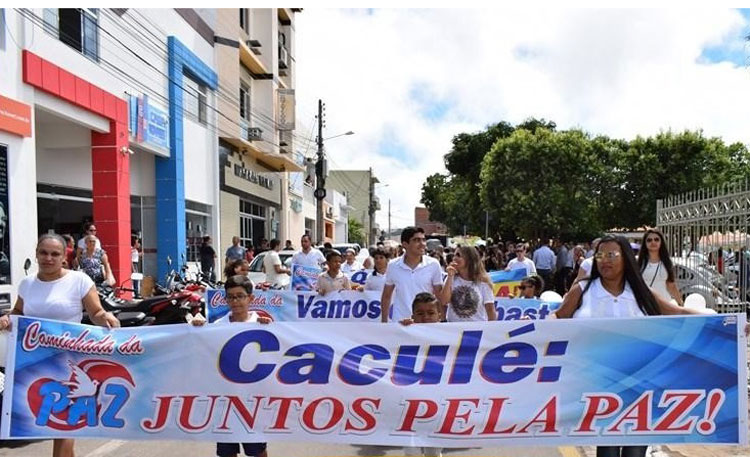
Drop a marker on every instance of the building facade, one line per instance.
(422, 219)
(359, 188)
(260, 192)
(120, 110)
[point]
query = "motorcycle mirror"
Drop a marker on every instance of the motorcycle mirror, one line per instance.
(136, 276)
(169, 261)
(26, 265)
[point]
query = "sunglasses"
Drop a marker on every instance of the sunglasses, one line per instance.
(652, 240)
(524, 287)
(611, 255)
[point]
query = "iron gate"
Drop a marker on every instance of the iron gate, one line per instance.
(707, 235)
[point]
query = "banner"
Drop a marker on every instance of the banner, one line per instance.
(505, 283)
(640, 381)
(304, 278)
(284, 305)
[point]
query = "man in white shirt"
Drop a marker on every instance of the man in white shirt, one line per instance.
(275, 271)
(351, 265)
(544, 261)
(521, 261)
(308, 256)
(408, 275)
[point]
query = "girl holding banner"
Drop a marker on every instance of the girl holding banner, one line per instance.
(615, 289)
(469, 296)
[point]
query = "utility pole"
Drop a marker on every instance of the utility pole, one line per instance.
(389, 218)
(370, 236)
(321, 170)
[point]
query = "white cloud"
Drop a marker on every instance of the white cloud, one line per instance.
(615, 72)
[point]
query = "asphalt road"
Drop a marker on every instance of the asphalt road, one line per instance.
(117, 448)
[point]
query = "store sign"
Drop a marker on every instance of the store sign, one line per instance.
(148, 123)
(15, 117)
(4, 219)
(254, 177)
(286, 109)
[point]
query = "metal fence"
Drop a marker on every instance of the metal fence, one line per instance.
(707, 234)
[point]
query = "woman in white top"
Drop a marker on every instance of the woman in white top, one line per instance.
(656, 266)
(615, 289)
(59, 294)
(376, 279)
(467, 291)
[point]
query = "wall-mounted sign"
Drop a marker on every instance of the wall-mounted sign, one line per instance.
(15, 117)
(148, 124)
(286, 109)
(253, 176)
(4, 218)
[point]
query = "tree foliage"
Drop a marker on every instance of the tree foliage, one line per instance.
(536, 182)
(356, 232)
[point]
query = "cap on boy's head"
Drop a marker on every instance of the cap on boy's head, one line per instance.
(351, 250)
(332, 253)
(423, 297)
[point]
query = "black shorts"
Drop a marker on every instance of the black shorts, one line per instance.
(227, 449)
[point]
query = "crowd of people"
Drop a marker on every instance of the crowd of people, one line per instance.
(603, 279)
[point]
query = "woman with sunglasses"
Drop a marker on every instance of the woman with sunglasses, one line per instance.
(615, 289)
(467, 291)
(656, 266)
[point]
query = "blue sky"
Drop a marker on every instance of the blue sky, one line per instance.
(407, 82)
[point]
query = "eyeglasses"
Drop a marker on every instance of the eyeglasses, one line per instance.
(236, 297)
(458, 254)
(611, 255)
(652, 240)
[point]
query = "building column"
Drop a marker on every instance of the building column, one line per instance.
(110, 167)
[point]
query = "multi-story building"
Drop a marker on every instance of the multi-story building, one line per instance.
(107, 115)
(256, 72)
(359, 188)
(422, 219)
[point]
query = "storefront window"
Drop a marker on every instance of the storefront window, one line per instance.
(252, 223)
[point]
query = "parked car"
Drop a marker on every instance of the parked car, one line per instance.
(692, 276)
(256, 273)
(342, 247)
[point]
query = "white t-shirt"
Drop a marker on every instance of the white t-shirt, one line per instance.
(409, 282)
(314, 258)
(252, 316)
(375, 281)
(655, 275)
(468, 300)
(353, 268)
(527, 263)
(272, 258)
(586, 265)
(60, 300)
(598, 302)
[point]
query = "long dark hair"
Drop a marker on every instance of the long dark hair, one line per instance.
(643, 296)
(663, 254)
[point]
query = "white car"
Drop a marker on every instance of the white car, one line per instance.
(257, 275)
(692, 276)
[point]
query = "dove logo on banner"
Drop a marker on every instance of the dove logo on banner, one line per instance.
(92, 392)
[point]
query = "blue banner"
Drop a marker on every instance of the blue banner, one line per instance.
(641, 381)
(347, 305)
(305, 278)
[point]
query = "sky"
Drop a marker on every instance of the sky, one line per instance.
(407, 81)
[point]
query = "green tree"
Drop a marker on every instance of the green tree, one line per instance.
(356, 232)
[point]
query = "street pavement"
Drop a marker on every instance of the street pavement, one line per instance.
(117, 448)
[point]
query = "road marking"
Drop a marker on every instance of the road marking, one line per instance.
(106, 448)
(569, 451)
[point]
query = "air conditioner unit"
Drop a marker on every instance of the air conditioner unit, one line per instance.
(283, 58)
(254, 134)
(254, 46)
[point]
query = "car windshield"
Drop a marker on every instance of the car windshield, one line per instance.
(257, 263)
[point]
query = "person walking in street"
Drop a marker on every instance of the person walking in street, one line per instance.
(275, 270)
(656, 266)
(235, 251)
(308, 256)
(615, 289)
(208, 259)
(135, 261)
(408, 275)
(70, 253)
(333, 279)
(520, 261)
(563, 267)
(531, 287)
(544, 260)
(467, 292)
(89, 228)
(60, 294)
(351, 265)
(94, 262)
(376, 279)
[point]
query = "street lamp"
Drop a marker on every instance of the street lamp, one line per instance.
(340, 134)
